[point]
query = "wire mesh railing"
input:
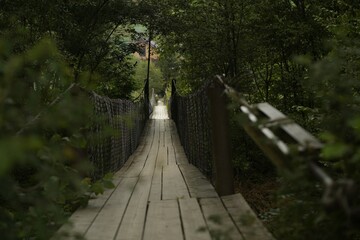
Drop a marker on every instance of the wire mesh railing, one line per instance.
(113, 130)
(280, 138)
(191, 116)
(116, 131)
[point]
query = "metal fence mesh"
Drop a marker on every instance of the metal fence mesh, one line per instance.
(192, 118)
(116, 130)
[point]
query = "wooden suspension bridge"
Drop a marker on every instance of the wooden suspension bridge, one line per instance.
(161, 191)
(159, 195)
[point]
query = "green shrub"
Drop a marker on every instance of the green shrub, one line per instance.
(43, 167)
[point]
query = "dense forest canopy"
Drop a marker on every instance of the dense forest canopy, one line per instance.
(303, 56)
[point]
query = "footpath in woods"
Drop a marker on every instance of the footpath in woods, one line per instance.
(159, 195)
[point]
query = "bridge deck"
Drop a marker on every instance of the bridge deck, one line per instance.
(159, 195)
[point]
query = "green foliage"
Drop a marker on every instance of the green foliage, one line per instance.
(94, 37)
(42, 145)
(99, 186)
(116, 70)
(301, 213)
(334, 81)
(302, 57)
(45, 46)
(156, 76)
(249, 162)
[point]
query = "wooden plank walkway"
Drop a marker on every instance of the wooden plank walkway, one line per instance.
(159, 195)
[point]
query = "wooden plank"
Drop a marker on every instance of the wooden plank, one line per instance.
(161, 159)
(148, 132)
(181, 159)
(162, 133)
(245, 218)
(163, 221)
(107, 222)
(123, 170)
(269, 111)
(178, 149)
(133, 222)
(294, 130)
(218, 220)
(151, 156)
(197, 183)
(136, 162)
(175, 137)
(135, 168)
(81, 219)
(174, 186)
(156, 184)
(136, 204)
(134, 219)
(171, 159)
(194, 224)
(167, 133)
(302, 136)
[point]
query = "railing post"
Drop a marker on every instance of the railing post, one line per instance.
(224, 174)
(147, 99)
(173, 102)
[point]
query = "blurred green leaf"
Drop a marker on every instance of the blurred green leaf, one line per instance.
(335, 150)
(97, 188)
(108, 184)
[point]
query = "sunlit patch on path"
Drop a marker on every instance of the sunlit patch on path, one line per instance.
(160, 111)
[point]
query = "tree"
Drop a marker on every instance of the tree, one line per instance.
(271, 51)
(45, 47)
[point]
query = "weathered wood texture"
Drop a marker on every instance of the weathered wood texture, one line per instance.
(159, 195)
(245, 219)
(291, 129)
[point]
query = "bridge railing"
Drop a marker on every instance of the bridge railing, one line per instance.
(191, 116)
(202, 120)
(115, 132)
(113, 127)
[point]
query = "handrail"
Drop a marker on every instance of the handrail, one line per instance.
(337, 192)
(264, 117)
(280, 138)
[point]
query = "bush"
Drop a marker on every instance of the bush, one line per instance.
(43, 165)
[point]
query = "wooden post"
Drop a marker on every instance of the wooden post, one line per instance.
(149, 56)
(224, 173)
(173, 103)
(173, 88)
(147, 99)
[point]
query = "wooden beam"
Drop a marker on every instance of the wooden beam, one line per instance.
(224, 174)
